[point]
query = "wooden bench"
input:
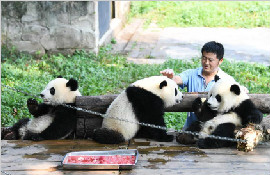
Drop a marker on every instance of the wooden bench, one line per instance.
(86, 122)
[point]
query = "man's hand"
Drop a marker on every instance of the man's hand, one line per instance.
(168, 73)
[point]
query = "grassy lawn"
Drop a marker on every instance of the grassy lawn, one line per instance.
(98, 75)
(236, 14)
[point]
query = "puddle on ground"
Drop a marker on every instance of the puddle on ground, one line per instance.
(163, 161)
(42, 150)
(171, 150)
(51, 149)
(37, 156)
(155, 155)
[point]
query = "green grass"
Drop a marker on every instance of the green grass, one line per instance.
(246, 14)
(99, 75)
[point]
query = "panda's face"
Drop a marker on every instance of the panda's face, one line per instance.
(170, 92)
(225, 95)
(163, 87)
(60, 91)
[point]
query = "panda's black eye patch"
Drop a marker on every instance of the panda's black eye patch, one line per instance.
(52, 91)
(218, 97)
(175, 91)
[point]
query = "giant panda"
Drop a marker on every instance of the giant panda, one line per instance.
(228, 106)
(234, 108)
(51, 120)
(143, 101)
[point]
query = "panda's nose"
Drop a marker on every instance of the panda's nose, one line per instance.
(41, 95)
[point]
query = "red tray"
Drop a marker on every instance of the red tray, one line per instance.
(114, 159)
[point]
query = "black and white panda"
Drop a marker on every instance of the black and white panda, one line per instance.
(51, 119)
(234, 108)
(143, 101)
(228, 106)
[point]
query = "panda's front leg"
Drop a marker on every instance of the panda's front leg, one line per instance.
(255, 117)
(187, 139)
(197, 105)
(32, 105)
(8, 134)
(37, 109)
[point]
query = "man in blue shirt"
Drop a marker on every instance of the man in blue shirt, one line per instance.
(202, 78)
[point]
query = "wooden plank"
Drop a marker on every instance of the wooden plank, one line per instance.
(192, 168)
(91, 124)
(86, 126)
(160, 158)
(44, 157)
(101, 103)
(261, 101)
(86, 122)
(80, 132)
(95, 103)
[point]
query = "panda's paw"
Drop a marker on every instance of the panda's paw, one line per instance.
(197, 104)
(185, 139)
(254, 119)
(7, 134)
(5, 131)
(32, 102)
(32, 105)
(10, 136)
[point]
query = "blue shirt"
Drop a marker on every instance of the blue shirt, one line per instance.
(195, 82)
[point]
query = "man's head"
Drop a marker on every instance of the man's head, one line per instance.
(214, 47)
(212, 56)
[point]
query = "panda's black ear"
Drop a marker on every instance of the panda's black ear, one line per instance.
(60, 76)
(216, 78)
(162, 84)
(235, 89)
(72, 84)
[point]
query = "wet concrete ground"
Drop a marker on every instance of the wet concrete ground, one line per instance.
(45, 157)
(156, 45)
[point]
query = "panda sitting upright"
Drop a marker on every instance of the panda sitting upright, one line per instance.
(227, 107)
(51, 119)
(143, 101)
